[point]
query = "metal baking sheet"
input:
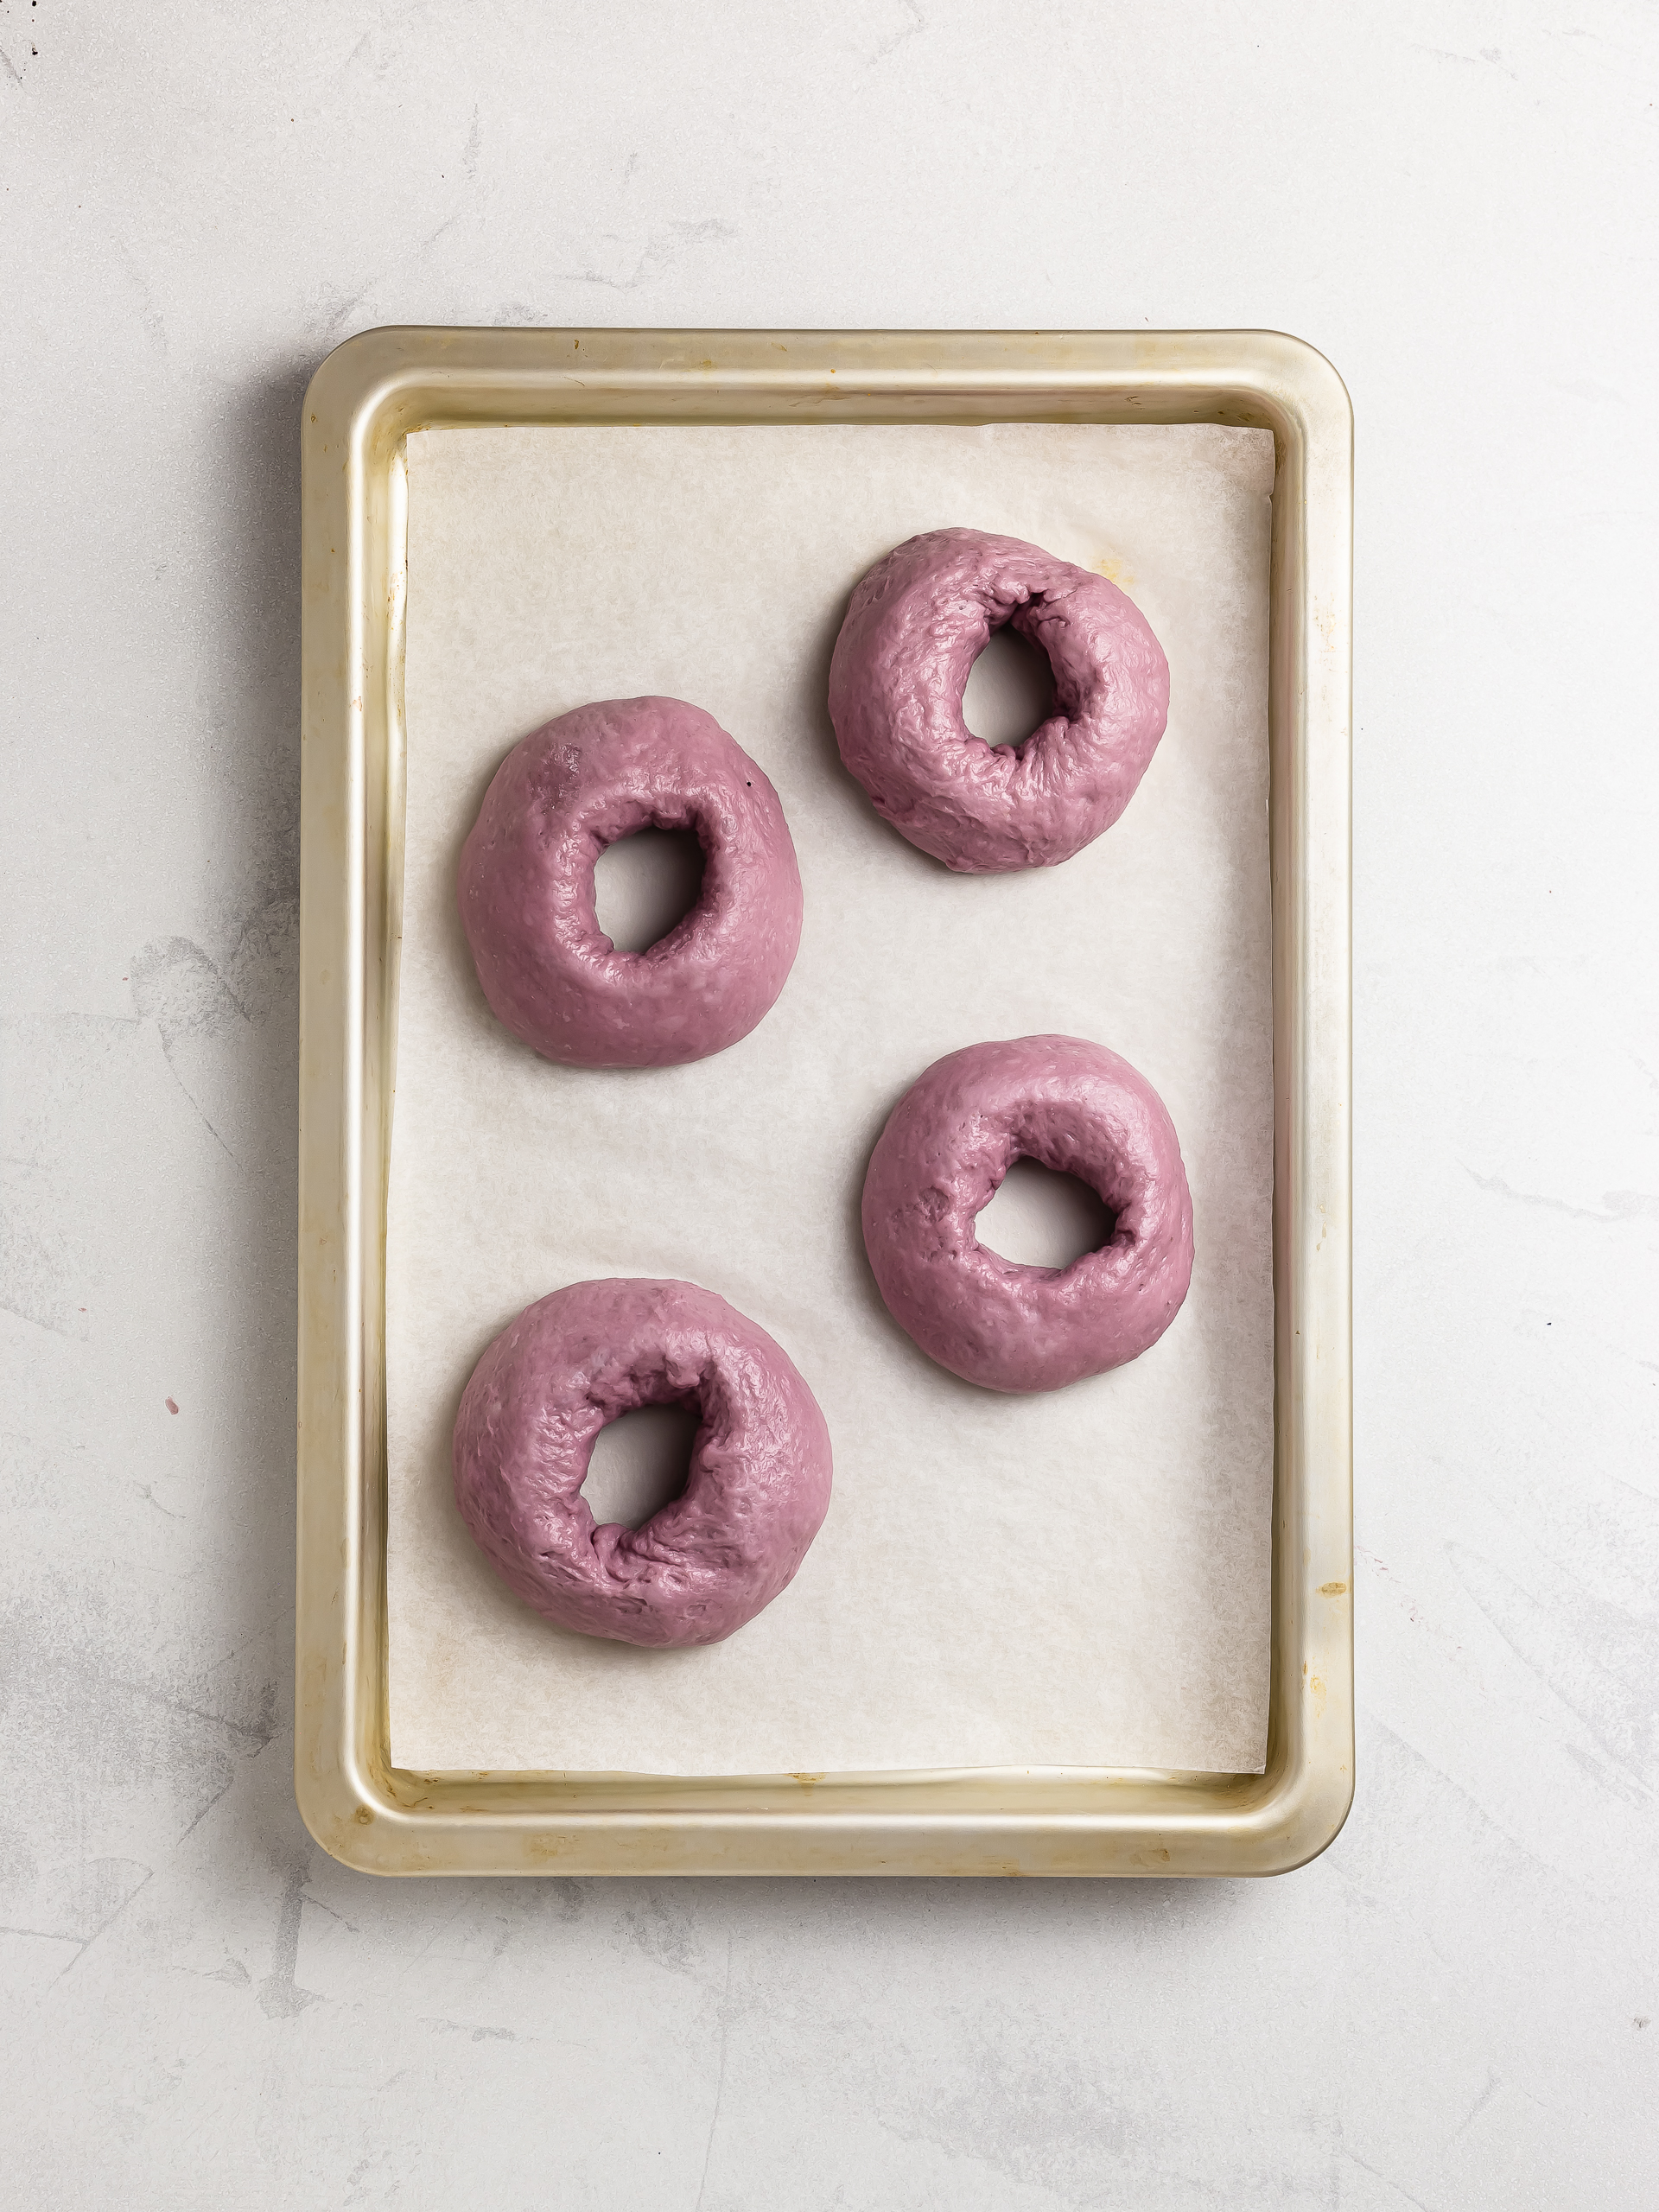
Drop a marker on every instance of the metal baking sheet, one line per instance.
(373, 392)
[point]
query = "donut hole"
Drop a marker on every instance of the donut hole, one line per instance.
(1010, 689)
(641, 1462)
(644, 885)
(1040, 1219)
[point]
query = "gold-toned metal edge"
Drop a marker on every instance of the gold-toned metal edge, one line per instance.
(363, 401)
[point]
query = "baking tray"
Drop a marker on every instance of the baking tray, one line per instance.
(362, 403)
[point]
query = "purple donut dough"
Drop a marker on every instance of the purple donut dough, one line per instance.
(526, 889)
(949, 1143)
(914, 628)
(711, 1558)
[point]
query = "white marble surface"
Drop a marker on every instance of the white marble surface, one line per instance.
(1457, 2007)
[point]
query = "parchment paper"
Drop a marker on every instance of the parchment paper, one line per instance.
(1074, 1580)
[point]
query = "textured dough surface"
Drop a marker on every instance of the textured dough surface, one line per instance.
(710, 1559)
(914, 628)
(526, 887)
(1080, 1110)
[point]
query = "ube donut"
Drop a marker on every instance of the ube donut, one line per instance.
(949, 1143)
(710, 1559)
(915, 626)
(526, 889)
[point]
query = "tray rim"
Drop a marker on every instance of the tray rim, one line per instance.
(364, 400)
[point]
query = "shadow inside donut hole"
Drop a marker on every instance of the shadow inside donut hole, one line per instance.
(1010, 689)
(645, 884)
(1039, 1219)
(641, 1462)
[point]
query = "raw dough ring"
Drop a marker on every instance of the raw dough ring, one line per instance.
(949, 1143)
(526, 889)
(915, 626)
(711, 1558)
